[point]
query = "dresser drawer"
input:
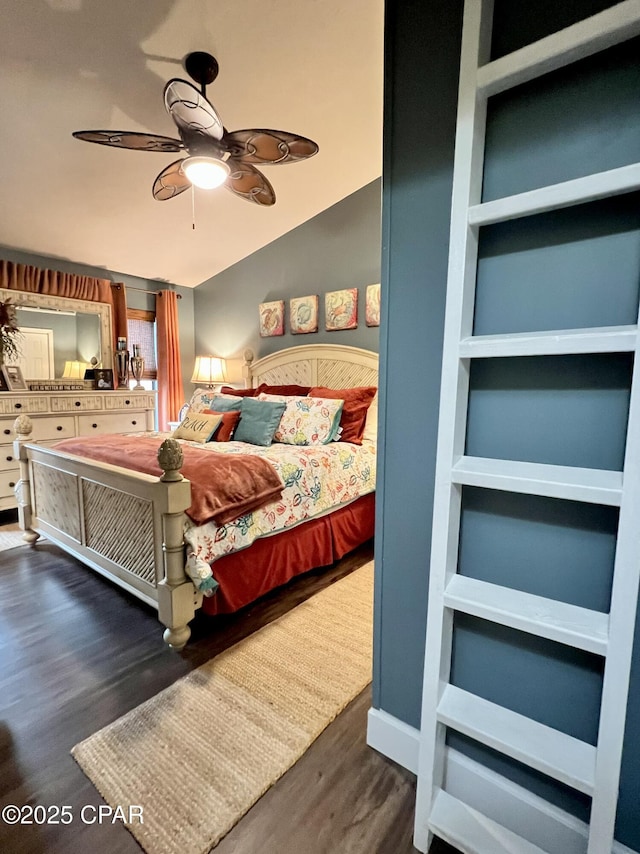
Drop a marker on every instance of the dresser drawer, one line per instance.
(116, 422)
(8, 480)
(44, 429)
(76, 403)
(129, 400)
(7, 460)
(17, 405)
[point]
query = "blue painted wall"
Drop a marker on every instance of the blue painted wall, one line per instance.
(421, 78)
(572, 268)
(339, 248)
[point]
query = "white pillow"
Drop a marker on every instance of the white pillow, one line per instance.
(202, 398)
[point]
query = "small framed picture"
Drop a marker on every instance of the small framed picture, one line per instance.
(341, 309)
(271, 318)
(103, 378)
(372, 305)
(13, 378)
(303, 314)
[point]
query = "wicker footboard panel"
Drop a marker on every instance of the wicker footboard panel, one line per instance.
(111, 530)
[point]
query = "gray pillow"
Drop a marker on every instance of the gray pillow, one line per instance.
(259, 420)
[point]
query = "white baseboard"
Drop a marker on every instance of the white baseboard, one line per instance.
(394, 739)
(545, 825)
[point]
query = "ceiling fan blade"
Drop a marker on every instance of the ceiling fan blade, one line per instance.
(190, 110)
(170, 182)
(130, 139)
(244, 180)
(258, 145)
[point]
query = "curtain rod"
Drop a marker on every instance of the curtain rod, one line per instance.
(145, 291)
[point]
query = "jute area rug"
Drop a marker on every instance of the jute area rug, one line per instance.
(199, 754)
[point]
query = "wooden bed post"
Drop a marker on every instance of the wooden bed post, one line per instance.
(23, 427)
(178, 599)
(246, 368)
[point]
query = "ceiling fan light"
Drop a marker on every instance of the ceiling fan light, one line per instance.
(205, 172)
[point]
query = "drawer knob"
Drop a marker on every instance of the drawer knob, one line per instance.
(134, 423)
(94, 426)
(7, 432)
(127, 402)
(9, 459)
(12, 483)
(77, 403)
(59, 427)
(18, 405)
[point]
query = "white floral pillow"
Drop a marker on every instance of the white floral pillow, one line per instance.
(202, 398)
(307, 420)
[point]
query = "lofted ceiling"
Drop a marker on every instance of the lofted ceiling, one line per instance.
(313, 67)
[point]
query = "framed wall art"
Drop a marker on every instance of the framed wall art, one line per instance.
(372, 305)
(303, 314)
(13, 378)
(341, 309)
(271, 318)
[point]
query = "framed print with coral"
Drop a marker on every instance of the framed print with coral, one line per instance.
(303, 314)
(271, 318)
(372, 305)
(341, 309)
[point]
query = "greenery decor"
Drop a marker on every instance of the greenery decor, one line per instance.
(9, 333)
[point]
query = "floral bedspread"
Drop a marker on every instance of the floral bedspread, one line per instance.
(316, 478)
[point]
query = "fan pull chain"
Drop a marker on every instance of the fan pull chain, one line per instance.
(193, 208)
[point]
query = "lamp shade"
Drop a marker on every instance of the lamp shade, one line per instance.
(205, 172)
(74, 370)
(208, 370)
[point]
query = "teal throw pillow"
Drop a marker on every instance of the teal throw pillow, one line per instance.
(222, 403)
(259, 420)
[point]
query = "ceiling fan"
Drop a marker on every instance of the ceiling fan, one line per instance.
(215, 156)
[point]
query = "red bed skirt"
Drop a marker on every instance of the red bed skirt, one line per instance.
(272, 561)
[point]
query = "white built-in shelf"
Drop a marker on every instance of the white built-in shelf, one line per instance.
(599, 32)
(547, 618)
(577, 764)
(472, 832)
(548, 750)
(600, 185)
(603, 339)
(594, 486)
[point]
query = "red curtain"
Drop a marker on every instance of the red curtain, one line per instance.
(170, 391)
(23, 277)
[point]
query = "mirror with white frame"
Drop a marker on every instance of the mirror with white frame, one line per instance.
(59, 337)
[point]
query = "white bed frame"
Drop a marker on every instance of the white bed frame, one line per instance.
(128, 526)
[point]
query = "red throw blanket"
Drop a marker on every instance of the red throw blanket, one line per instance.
(223, 486)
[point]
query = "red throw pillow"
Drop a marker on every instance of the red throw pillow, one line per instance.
(292, 389)
(239, 392)
(224, 432)
(354, 411)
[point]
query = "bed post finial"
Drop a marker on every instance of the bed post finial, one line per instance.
(248, 356)
(170, 459)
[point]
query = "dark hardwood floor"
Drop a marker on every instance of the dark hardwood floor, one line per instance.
(77, 653)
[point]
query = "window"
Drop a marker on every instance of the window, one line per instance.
(141, 331)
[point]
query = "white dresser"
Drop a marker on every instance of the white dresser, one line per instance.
(60, 414)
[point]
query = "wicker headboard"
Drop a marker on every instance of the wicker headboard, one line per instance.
(330, 365)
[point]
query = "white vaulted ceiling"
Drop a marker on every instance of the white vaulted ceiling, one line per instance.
(313, 67)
